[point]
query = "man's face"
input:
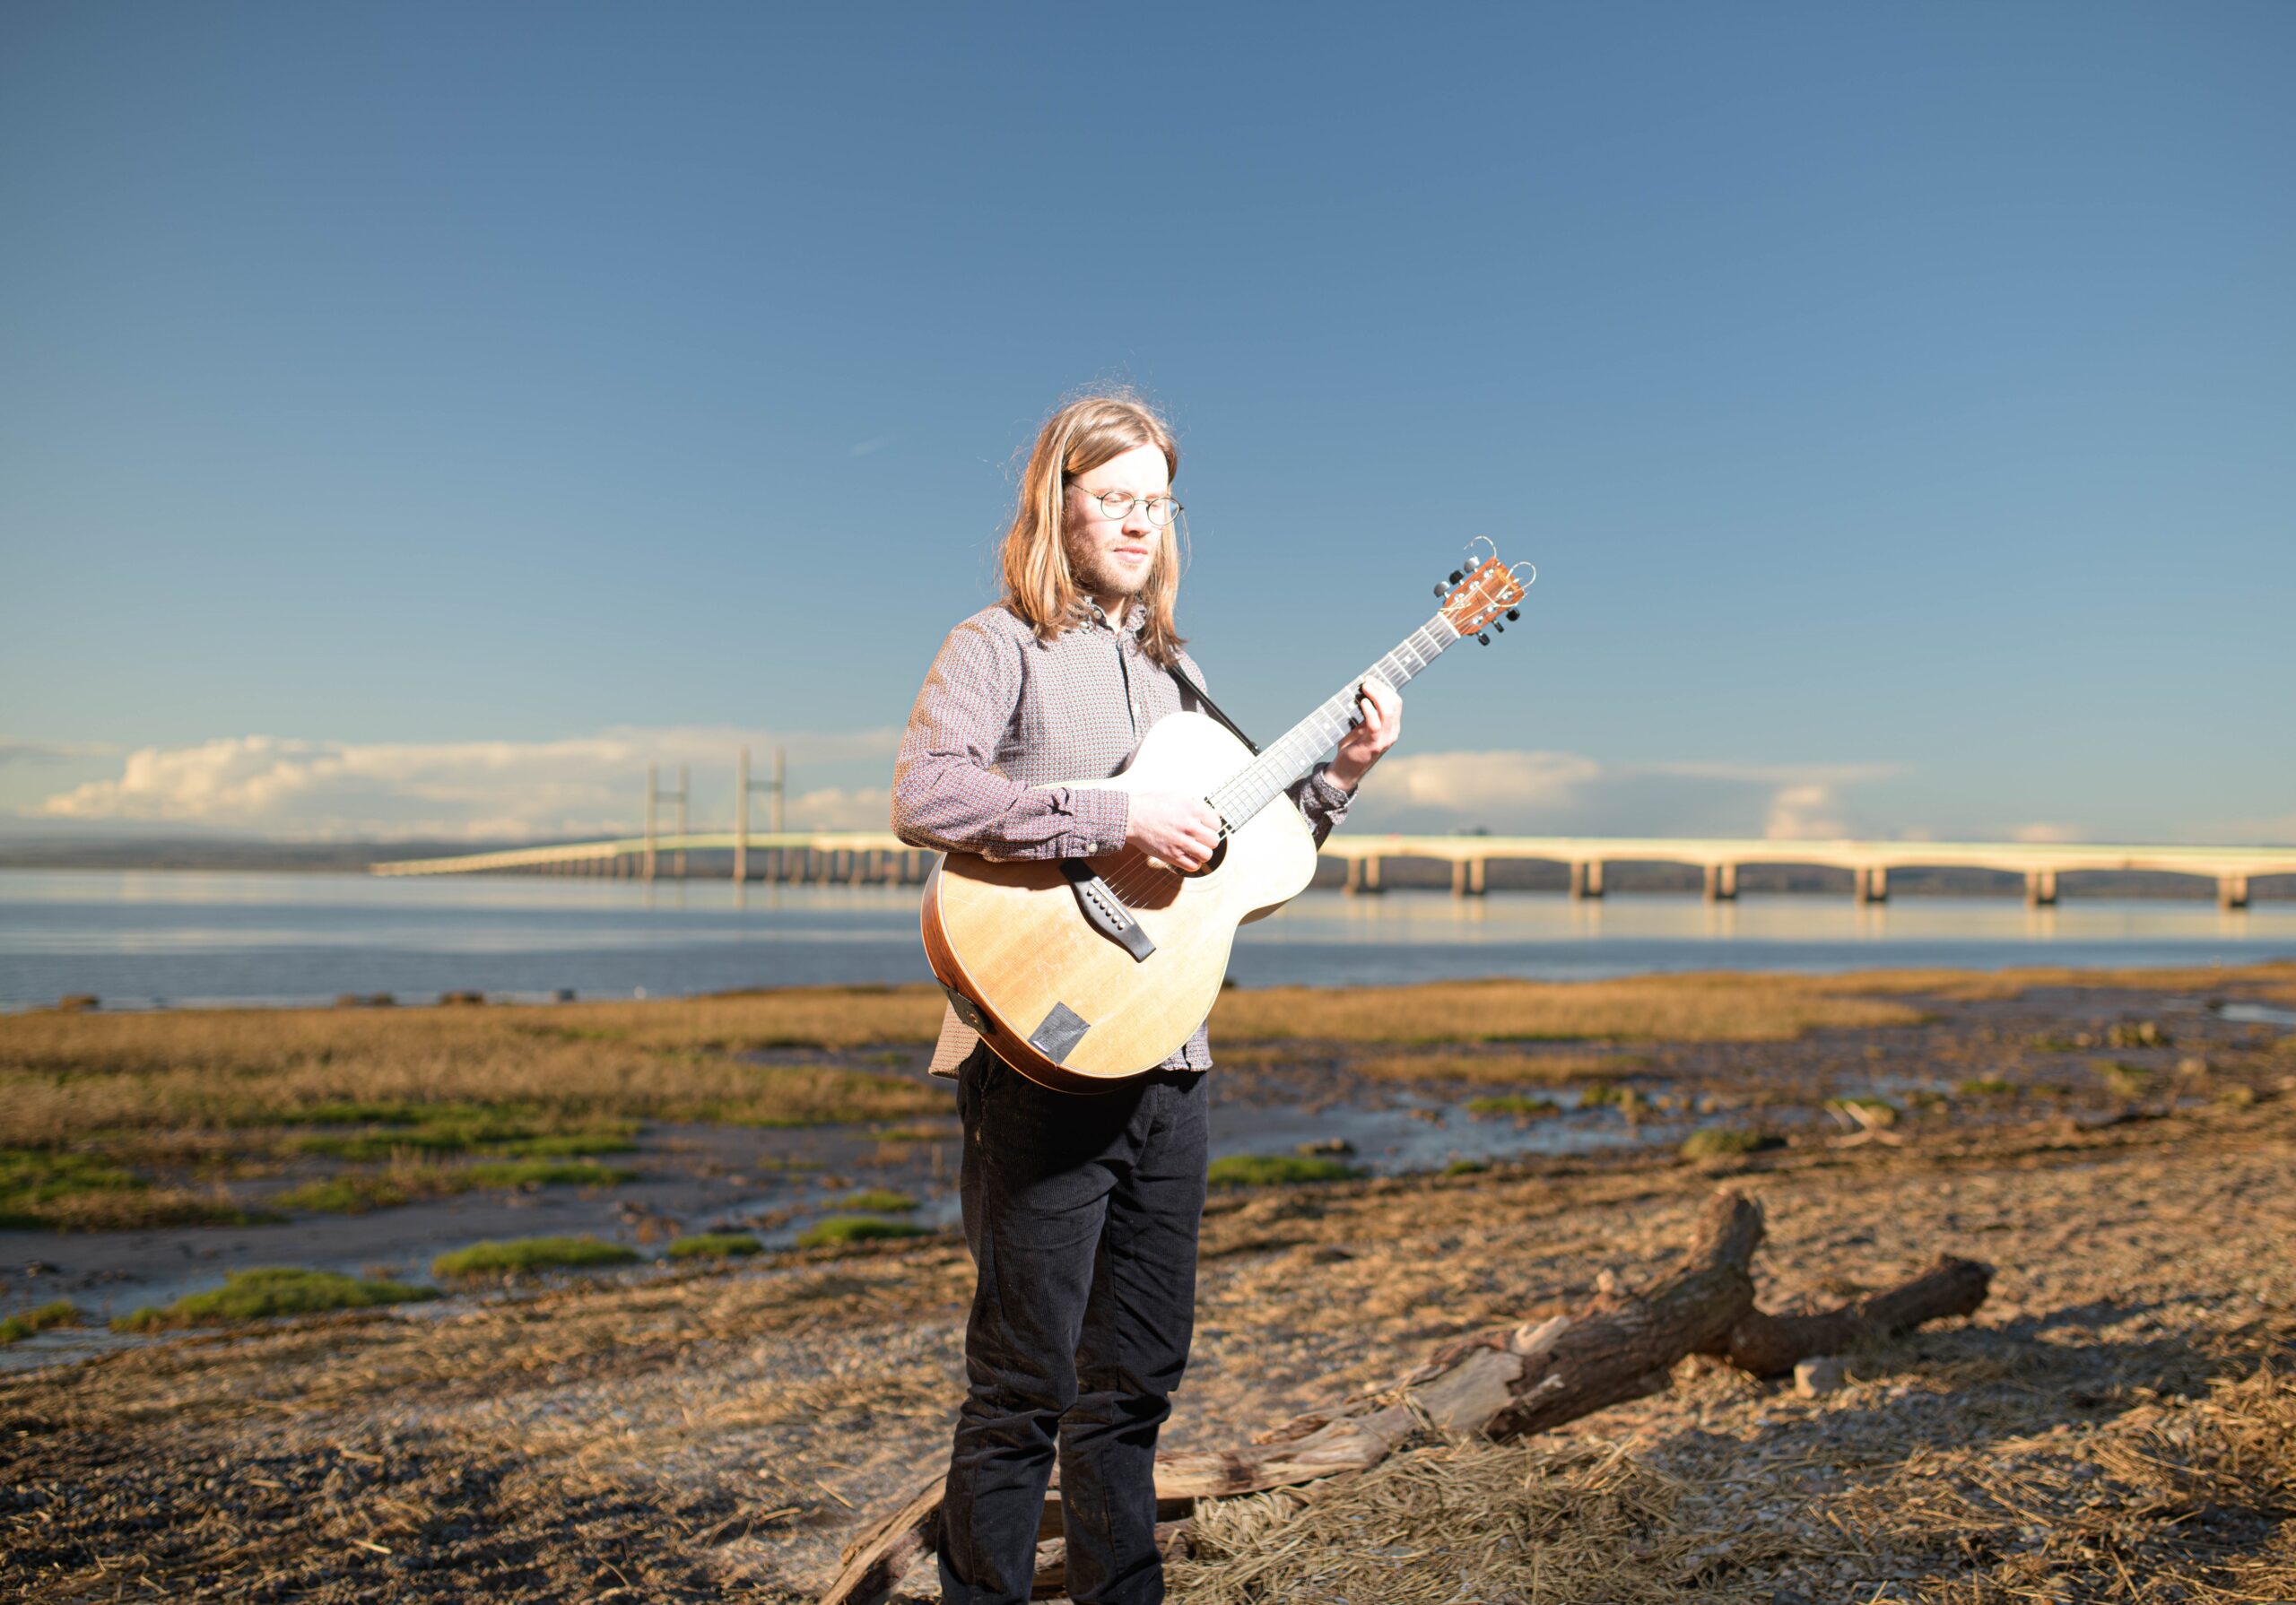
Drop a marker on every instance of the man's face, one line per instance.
(1112, 558)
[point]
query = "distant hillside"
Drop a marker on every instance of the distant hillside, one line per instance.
(224, 853)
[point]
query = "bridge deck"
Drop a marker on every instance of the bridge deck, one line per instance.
(2015, 857)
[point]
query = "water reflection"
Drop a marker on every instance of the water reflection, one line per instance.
(1780, 918)
(219, 935)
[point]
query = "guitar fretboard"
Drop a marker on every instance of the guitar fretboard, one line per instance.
(1281, 765)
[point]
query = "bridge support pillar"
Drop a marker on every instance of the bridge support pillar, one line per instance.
(653, 789)
(2231, 891)
(1586, 878)
(2040, 888)
(1873, 884)
(1364, 876)
(1721, 882)
(1468, 876)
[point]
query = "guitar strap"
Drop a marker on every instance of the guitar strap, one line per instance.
(1211, 708)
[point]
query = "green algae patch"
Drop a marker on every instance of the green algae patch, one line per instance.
(34, 1179)
(261, 1293)
(568, 1145)
(714, 1246)
(838, 1230)
(62, 1189)
(16, 1328)
(1728, 1142)
(1277, 1170)
(1514, 1107)
(878, 1200)
(346, 1195)
(512, 1257)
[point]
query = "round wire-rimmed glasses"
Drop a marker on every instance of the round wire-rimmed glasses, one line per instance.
(1118, 504)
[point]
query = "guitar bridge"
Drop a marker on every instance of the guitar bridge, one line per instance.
(1104, 911)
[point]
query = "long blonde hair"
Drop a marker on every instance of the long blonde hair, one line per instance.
(1040, 588)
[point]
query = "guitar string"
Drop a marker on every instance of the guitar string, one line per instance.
(1424, 644)
(1242, 795)
(1135, 881)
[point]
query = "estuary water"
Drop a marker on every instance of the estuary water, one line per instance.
(140, 938)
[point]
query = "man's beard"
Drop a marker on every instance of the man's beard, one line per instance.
(1098, 571)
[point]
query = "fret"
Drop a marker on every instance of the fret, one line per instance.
(1293, 754)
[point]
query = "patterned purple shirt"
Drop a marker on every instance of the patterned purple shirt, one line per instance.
(1003, 716)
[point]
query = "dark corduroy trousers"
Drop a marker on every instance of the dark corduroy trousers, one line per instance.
(1081, 1214)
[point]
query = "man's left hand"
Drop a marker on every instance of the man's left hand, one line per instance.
(1382, 707)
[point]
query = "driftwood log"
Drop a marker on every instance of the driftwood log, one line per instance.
(1503, 1384)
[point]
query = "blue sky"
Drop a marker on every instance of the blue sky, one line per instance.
(413, 417)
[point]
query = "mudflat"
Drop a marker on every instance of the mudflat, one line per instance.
(2117, 1422)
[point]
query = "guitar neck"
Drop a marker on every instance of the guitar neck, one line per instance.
(1279, 768)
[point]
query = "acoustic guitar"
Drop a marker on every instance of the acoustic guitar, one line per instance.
(1081, 973)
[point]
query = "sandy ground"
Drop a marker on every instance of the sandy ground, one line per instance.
(720, 1435)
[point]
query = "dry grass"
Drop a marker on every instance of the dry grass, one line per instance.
(2183, 1499)
(1538, 1524)
(719, 1437)
(1718, 1007)
(2273, 979)
(2187, 1499)
(64, 1075)
(141, 1208)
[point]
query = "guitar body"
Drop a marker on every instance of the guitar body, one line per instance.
(1009, 937)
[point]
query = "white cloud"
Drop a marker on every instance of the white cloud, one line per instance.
(2046, 830)
(1506, 784)
(477, 790)
(1810, 811)
(593, 785)
(1567, 794)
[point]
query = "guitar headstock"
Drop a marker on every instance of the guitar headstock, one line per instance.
(1477, 596)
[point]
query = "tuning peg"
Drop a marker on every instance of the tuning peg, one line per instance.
(1439, 590)
(1514, 612)
(1496, 625)
(1485, 639)
(1456, 576)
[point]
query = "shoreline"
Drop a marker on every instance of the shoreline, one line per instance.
(1298, 1070)
(722, 1434)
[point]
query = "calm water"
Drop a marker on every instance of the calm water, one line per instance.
(139, 938)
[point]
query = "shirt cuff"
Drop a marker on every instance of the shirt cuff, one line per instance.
(1102, 816)
(1334, 797)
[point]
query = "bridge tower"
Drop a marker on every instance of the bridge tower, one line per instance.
(743, 787)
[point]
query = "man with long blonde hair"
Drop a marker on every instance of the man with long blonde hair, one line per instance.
(1081, 1211)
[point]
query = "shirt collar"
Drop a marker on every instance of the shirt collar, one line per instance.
(1136, 617)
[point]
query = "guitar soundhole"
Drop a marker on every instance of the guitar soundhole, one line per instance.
(1219, 855)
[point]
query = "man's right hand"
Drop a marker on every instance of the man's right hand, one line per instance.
(1181, 830)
